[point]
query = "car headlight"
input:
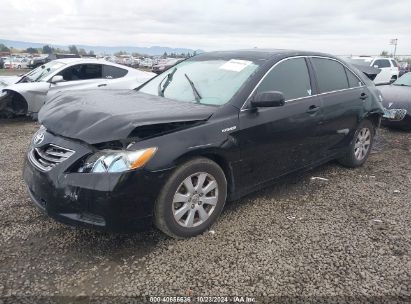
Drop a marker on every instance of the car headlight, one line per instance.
(116, 160)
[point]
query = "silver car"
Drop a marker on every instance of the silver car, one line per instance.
(26, 94)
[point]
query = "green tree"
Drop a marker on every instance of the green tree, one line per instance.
(60, 51)
(82, 52)
(91, 52)
(4, 48)
(31, 50)
(120, 53)
(47, 49)
(384, 53)
(73, 49)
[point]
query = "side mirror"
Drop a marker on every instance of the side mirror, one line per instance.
(268, 99)
(57, 78)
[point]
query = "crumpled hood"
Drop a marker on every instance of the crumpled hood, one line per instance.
(396, 97)
(8, 80)
(96, 116)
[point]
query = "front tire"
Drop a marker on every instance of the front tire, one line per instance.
(360, 147)
(192, 199)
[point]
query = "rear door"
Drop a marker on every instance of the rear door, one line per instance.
(277, 140)
(343, 95)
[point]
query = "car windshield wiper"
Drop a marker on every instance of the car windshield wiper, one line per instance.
(169, 78)
(197, 95)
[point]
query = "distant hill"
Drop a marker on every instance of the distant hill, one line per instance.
(153, 50)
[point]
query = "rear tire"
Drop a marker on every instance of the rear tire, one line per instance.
(192, 199)
(360, 147)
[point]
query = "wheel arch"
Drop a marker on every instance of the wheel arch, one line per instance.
(375, 118)
(13, 95)
(219, 159)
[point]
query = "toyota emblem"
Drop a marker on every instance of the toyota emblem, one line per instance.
(38, 138)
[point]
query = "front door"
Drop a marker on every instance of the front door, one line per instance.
(81, 76)
(278, 140)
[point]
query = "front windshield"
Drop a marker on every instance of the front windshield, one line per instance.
(212, 82)
(38, 74)
(404, 80)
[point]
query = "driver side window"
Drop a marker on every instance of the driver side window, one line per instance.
(289, 77)
(82, 72)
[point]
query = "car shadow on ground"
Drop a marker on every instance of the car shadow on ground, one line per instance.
(114, 246)
(16, 120)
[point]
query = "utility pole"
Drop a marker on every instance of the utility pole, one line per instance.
(394, 42)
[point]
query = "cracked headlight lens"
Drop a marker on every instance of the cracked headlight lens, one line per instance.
(116, 160)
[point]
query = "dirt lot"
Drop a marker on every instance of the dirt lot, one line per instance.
(8, 72)
(348, 237)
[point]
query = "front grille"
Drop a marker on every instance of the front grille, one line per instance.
(47, 157)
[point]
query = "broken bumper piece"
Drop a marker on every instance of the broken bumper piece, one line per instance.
(394, 114)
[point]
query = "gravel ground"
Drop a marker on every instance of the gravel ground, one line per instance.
(347, 237)
(8, 72)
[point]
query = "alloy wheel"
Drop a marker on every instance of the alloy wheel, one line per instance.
(362, 143)
(195, 199)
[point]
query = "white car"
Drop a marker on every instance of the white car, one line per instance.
(389, 67)
(16, 63)
(26, 94)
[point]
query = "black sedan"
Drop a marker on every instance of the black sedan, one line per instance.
(398, 96)
(213, 128)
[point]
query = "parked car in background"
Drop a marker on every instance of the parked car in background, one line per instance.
(111, 59)
(26, 95)
(398, 96)
(405, 67)
(214, 127)
(163, 65)
(16, 63)
(2, 61)
(146, 62)
(388, 66)
(38, 61)
(128, 60)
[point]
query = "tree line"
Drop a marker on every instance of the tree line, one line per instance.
(72, 49)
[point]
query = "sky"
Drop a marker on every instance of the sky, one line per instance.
(340, 27)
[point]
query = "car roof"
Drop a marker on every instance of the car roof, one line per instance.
(88, 60)
(259, 54)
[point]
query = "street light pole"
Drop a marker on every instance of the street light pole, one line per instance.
(394, 42)
(395, 47)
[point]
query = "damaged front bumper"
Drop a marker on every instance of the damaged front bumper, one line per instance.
(109, 201)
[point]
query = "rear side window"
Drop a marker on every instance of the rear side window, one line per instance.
(394, 63)
(289, 77)
(353, 80)
(382, 63)
(330, 75)
(112, 72)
